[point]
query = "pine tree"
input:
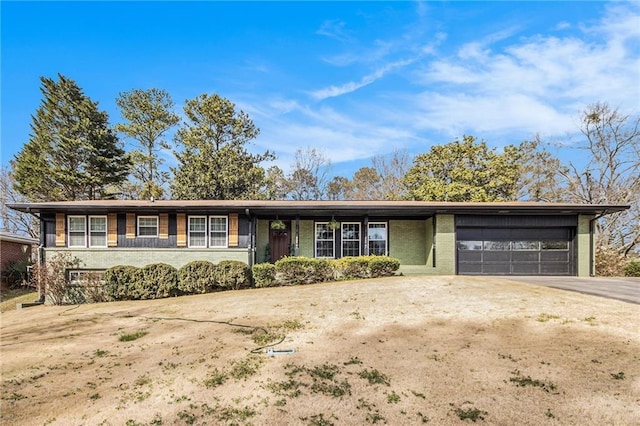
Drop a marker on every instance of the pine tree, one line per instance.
(214, 163)
(72, 154)
(148, 115)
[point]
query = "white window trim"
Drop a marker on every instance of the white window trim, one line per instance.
(206, 229)
(106, 231)
(138, 226)
(315, 241)
(342, 240)
(84, 218)
(386, 239)
(75, 275)
(226, 231)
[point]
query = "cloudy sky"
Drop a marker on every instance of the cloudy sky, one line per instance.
(353, 79)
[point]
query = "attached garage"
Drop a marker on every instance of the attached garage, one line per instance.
(515, 245)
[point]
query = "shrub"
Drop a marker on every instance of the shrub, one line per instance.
(632, 269)
(264, 275)
(121, 282)
(609, 263)
(197, 277)
(353, 267)
(383, 266)
(51, 279)
(233, 274)
(159, 280)
(303, 270)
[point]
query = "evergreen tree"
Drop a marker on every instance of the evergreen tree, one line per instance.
(464, 171)
(71, 154)
(148, 115)
(214, 163)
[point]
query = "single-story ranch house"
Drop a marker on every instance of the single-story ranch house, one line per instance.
(445, 238)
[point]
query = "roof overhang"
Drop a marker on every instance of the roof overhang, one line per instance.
(315, 208)
(15, 238)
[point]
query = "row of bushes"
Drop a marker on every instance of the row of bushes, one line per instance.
(305, 270)
(160, 280)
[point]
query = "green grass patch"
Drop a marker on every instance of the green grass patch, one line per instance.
(523, 381)
(132, 336)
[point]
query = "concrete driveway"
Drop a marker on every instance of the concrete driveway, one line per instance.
(621, 288)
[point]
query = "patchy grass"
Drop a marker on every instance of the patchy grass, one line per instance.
(403, 350)
(132, 336)
(10, 298)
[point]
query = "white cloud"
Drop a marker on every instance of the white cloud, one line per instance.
(535, 84)
(352, 86)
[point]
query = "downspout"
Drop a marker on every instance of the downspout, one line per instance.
(250, 250)
(40, 258)
(435, 234)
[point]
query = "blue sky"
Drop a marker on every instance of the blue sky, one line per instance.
(352, 79)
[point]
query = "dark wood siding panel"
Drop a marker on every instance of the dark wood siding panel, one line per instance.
(123, 241)
(49, 221)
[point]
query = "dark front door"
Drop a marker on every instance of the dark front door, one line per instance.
(280, 242)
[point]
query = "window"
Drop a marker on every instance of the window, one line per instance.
(555, 245)
(324, 240)
(86, 277)
(77, 231)
(197, 231)
(526, 245)
(378, 239)
(97, 231)
(350, 239)
(217, 231)
(147, 226)
(470, 245)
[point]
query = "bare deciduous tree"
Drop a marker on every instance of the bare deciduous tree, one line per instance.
(13, 221)
(611, 174)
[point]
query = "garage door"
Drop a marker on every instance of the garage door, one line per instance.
(532, 251)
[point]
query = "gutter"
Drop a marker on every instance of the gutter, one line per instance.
(251, 238)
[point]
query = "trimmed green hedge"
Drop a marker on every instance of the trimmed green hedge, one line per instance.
(121, 281)
(632, 269)
(233, 274)
(160, 280)
(303, 270)
(264, 275)
(197, 277)
(383, 266)
(366, 267)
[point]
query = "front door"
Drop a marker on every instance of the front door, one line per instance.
(280, 242)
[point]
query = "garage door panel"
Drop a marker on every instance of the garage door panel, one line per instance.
(470, 256)
(520, 251)
(470, 268)
(554, 269)
(525, 256)
(525, 268)
(496, 269)
(554, 256)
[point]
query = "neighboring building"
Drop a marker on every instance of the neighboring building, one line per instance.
(514, 238)
(14, 248)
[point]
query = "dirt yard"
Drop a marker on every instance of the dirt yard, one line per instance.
(397, 351)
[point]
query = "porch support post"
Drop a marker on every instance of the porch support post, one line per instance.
(366, 236)
(296, 244)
